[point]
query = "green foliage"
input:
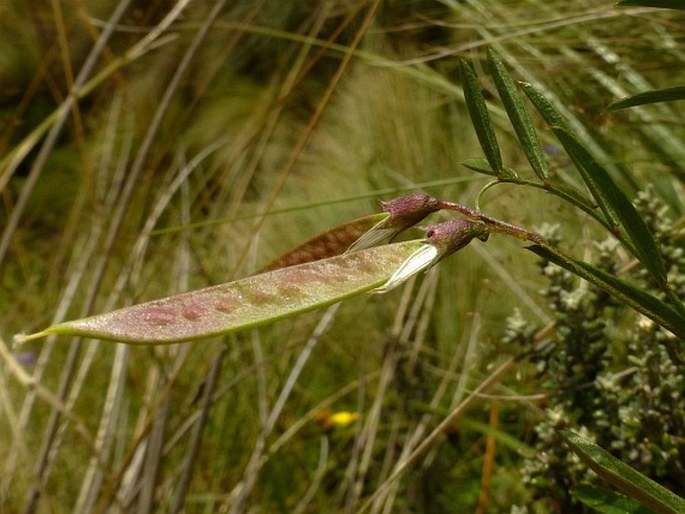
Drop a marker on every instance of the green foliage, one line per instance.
(577, 360)
(480, 118)
(617, 212)
(670, 94)
(200, 140)
(609, 374)
(615, 205)
(518, 115)
(623, 477)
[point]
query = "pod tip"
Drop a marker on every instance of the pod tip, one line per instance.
(20, 339)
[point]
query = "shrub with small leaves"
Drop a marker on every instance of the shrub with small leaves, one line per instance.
(608, 373)
(650, 428)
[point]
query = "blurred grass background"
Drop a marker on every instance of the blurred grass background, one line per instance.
(149, 148)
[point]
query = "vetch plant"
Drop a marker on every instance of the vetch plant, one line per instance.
(313, 275)
(308, 282)
(609, 376)
(638, 416)
(290, 290)
(294, 289)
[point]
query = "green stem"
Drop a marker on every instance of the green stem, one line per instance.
(586, 207)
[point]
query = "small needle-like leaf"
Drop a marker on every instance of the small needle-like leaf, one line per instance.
(518, 115)
(480, 118)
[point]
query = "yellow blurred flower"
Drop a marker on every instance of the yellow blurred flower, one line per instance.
(329, 420)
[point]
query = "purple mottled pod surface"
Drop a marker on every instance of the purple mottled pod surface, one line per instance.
(245, 303)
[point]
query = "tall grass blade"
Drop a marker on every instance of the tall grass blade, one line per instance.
(518, 115)
(666, 4)
(623, 477)
(480, 118)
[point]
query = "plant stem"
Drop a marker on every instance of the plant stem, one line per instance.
(493, 224)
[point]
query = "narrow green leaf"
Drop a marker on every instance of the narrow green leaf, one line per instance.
(623, 477)
(518, 115)
(546, 109)
(593, 183)
(571, 194)
(555, 119)
(245, 303)
(608, 502)
(666, 4)
(479, 166)
(670, 94)
(480, 118)
(653, 308)
(483, 166)
(615, 205)
(327, 244)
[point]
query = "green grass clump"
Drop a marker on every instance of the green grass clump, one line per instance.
(149, 149)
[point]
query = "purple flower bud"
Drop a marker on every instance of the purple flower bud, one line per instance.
(455, 234)
(407, 211)
(441, 241)
(402, 213)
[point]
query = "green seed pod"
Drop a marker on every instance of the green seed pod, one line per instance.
(244, 303)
